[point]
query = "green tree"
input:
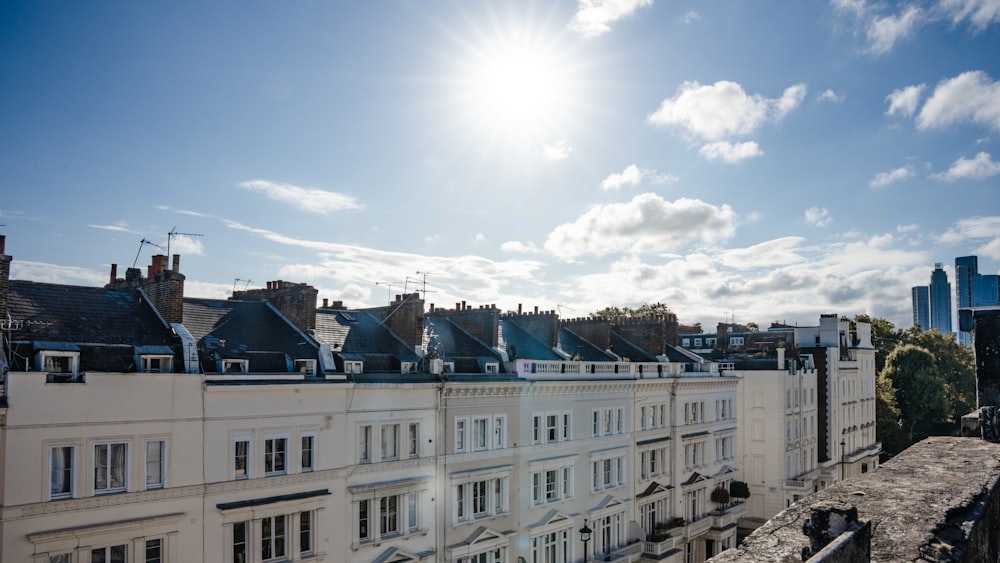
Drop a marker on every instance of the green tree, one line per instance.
(919, 390)
(644, 310)
(887, 419)
(956, 368)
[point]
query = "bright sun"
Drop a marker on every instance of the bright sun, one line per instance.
(517, 89)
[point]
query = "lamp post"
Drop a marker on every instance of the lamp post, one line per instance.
(585, 537)
(842, 446)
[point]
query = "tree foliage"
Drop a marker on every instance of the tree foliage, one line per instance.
(644, 310)
(925, 382)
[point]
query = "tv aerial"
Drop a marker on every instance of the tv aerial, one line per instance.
(143, 243)
(173, 233)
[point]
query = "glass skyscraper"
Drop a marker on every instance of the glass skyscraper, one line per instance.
(921, 307)
(940, 299)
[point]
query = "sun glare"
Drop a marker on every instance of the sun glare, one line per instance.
(518, 88)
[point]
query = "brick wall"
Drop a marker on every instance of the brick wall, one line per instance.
(483, 323)
(543, 326)
(296, 301)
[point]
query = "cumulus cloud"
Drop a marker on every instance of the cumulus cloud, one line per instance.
(970, 96)
(884, 32)
(722, 110)
(313, 200)
(855, 6)
(778, 252)
(518, 247)
(985, 230)
(829, 95)
(557, 151)
(883, 179)
(979, 13)
(979, 167)
(818, 216)
(185, 245)
(646, 224)
(730, 152)
(594, 17)
(690, 17)
(633, 176)
(904, 100)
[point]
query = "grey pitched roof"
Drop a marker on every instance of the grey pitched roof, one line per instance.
(450, 342)
(246, 329)
(574, 345)
(628, 349)
(526, 346)
(65, 313)
(360, 335)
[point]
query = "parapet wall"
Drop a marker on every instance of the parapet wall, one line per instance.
(938, 500)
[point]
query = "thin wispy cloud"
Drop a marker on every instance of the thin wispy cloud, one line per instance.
(904, 101)
(979, 167)
(883, 179)
(119, 228)
(818, 216)
(831, 96)
(632, 175)
(884, 32)
(313, 200)
(979, 13)
(557, 151)
(690, 17)
(518, 247)
(594, 17)
(731, 153)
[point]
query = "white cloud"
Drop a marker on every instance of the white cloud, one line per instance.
(53, 273)
(730, 152)
(557, 151)
(976, 229)
(432, 238)
(855, 6)
(313, 200)
(121, 227)
(884, 32)
(690, 17)
(185, 245)
(904, 100)
(479, 237)
(970, 96)
(979, 167)
(633, 176)
(829, 95)
(818, 216)
(518, 247)
(723, 110)
(979, 13)
(594, 17)
(646, 224)
(883, 179)
(777, 252)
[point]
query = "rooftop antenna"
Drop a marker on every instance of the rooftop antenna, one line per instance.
(173, 232)
(237, 280)
(424, 282)
(388, 298)
(142, 243)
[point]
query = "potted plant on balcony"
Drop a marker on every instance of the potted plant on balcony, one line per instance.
(739, 490)
(662, 530)
(720, 496)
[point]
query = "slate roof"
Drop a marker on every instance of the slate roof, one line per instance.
(67, 313)
(526, 345)
(359, 335)
(628, 349)
(574, 345)
(245, 329)
(453, 344)
(104, 325)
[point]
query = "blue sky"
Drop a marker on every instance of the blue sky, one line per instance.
(763, 161)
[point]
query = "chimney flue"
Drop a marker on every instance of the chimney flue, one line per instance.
(3, 243)
(114, 271)
(326, 302)
(177, 263)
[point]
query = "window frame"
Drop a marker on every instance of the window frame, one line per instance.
(109, 468)
(162, 462)
(71, 480)
(247, 457)
(270, 540)
(310, 436)
(271, 458)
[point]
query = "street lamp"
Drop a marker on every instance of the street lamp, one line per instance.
(585, 537)
(842, 446)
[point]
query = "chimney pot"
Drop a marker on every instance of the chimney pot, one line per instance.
(325, 302)
(518, 308)
(114, 271)
(432, 307)
(177, 263)
(463, 304)
(536, 309)
(3, 243)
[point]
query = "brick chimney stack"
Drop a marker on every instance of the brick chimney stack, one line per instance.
(163, 287)
(4, 276)
(296, 301)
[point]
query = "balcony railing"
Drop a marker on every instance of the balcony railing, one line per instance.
(727, 514)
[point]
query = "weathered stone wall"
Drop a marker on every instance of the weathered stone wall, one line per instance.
(939, 500)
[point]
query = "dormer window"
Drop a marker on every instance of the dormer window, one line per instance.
(353, 367)
(157, 363)
(63, 365)
(492, 368)
(235, 366)
(407, 367)
(305, 366)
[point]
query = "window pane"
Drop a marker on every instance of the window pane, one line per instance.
(240, 542)
(305, 532)
(241, 455)
(154, 551)
(61, 472)
(307, 453)
(154, 463)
